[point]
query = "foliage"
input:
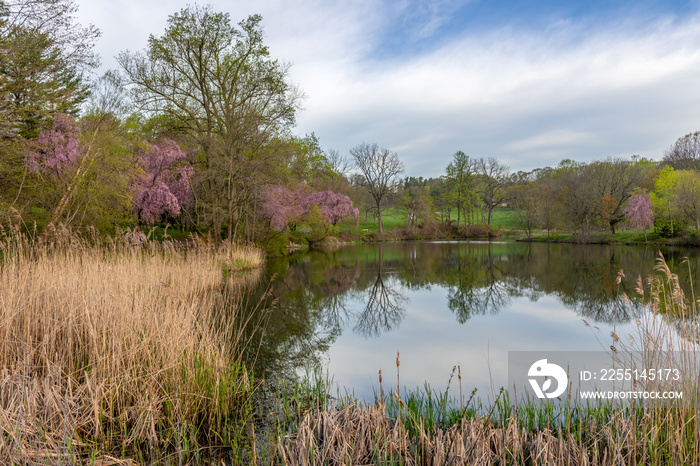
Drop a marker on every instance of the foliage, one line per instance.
(686, 196)
(284, 207)
(461, 179)
(314, 227)
(281, 206)
(639, 211)
(44, 56)
(662, 200)
(56, 149)
(333, 207)
(612, 182)
(164, 187)
(80, 173)
(217, 84)
(608, 206)
(418, 205)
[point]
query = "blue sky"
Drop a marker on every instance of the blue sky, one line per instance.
(528, 82)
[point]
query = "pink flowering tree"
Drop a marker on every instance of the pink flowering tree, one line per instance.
(639, 212)
(164, 187)
(282, 206)
(333, 206)
(55, 150)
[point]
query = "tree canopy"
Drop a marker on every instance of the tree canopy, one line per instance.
(217, 83)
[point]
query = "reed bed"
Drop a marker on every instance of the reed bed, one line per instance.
(429, 428)
(115, 351)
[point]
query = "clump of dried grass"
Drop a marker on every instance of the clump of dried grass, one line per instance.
(360, 434)
(116, 348)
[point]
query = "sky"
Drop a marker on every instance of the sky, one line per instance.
(528, 82)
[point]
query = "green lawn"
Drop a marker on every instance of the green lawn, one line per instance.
(393, 217)
(506, 218)
(502, 217)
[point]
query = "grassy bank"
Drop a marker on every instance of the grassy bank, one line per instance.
(627, 237)
(110, 351)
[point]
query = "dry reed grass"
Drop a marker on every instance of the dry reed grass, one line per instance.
(366, 435)
(118, 349)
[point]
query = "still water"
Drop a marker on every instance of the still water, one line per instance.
(443, 304)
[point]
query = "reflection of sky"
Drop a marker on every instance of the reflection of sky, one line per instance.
(431, 343)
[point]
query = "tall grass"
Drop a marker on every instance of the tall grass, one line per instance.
(121, 351)
(424, 427)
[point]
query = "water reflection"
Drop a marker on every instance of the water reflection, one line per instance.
(317, 296)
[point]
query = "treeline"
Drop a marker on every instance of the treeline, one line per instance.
(196, 131)
(580, 197)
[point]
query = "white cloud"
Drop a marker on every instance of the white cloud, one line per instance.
(527, 97)
(550, 140)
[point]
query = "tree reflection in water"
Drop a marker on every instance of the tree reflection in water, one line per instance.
(384, 309)
(318, 295)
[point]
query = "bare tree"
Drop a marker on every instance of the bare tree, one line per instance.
(525, 195)
(684, 153)
(494, 176)
(339, 163)
(380, 168)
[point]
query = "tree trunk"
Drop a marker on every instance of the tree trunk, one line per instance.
(379, 214)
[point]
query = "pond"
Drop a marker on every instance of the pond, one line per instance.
(443, 304)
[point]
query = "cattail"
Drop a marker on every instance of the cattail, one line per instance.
(459, 377)
(398, 379)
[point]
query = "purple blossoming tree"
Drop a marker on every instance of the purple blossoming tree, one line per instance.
(56, 149)
(639, 212)
(164, 188)
(333, 206)
(281, 206)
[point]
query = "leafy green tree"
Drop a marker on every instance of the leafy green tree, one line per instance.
(217, 83)
(461, 178)
(44, 54)
(81, 174)
(440, 197)
(419, 208)
(662, 199)
(686, 196)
